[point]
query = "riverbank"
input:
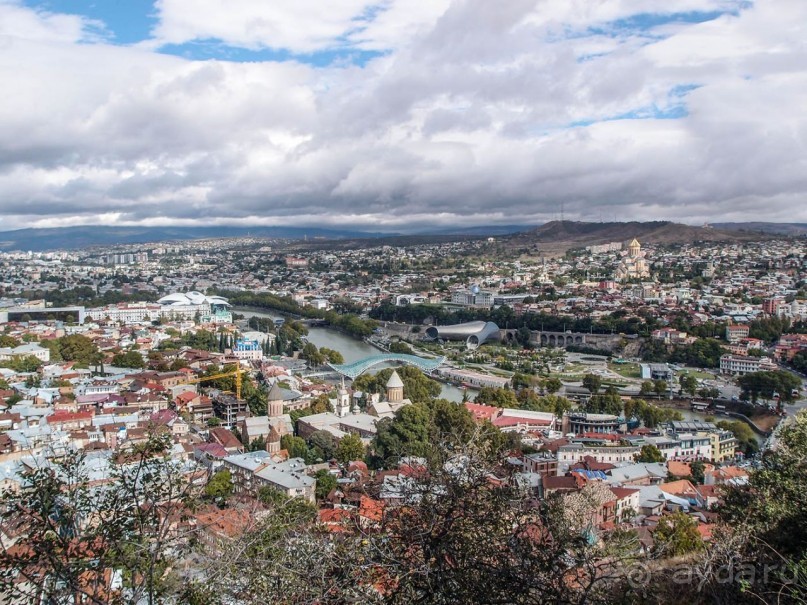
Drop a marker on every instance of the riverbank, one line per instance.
(762, 424)
(352, 349)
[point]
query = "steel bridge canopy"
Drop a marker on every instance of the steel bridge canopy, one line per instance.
(355, 369)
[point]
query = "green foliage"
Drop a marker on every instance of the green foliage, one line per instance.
(220, 486)
(318, 406)
(771, 509)
(417, 386)
(697, 469)
(605, 403)
(650, 453)
(551, 385)
(677, 534)
(799, 361)
(528, 400)
(660, 387)
(746, 440)
(78, 348)
(651, 415)
(332, 355)
(29, 363)
(709, 392)
(8, 341)
(496, 396)
(703, 353)
(421, 429)
(350, 448)
(400, 347)
(295, 446)
(768, 329)
(325, 483)
(128, 359)
(592, 382)
(312, 355)
(73, 532)
(323, 445)
(688, 384)
(203, 340)
(765, 384)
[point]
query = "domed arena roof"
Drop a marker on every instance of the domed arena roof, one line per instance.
(192, 298)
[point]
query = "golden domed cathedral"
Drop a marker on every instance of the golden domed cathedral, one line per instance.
(634, 265)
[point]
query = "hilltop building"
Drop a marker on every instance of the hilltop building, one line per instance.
(634, 265)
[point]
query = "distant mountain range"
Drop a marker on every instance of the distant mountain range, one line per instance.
(795, 229)
(558, 236)
(72, 238)
(553, 235)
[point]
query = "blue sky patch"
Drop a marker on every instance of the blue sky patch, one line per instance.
(202, 50)
(127, 21)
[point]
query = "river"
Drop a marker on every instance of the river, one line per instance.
(352, 349)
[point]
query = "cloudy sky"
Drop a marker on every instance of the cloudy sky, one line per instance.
(393, 114)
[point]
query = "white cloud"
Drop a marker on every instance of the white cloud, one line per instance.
(477, 111)
(16, 21)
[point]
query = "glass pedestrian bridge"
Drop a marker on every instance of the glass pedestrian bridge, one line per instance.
(355, 369)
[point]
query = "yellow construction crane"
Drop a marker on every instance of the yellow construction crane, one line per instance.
(237, 373)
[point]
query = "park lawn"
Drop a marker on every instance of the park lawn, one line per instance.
(614, 383)
(627, 370)
(697, 374)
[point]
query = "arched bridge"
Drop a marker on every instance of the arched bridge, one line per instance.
(355, 369)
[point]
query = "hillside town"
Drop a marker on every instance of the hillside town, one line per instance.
(633, 383)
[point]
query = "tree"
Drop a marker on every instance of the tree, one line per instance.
(497, 396)
(799, 361)
(592, 382)
(417, 386)
(677, 534)
(520, 381)
(8, 341)
(29, 363)
(129, 359)
(421, 429)
(350, 448)
(765, 384)
(646, 388)
(400, 347)
(331, 355)
(78, 348)
(77, 536)
(697, 469)
(295, 446)
(220, 487)
(746, 440)
(323, 445)
(325, 483)
(311, 354)
(552, 385)
(688, 383)
(650, 453)
(709, 392)
(766, 520)
(660, 387)
(605, 403)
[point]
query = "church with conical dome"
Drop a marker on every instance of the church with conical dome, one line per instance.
(634, 265)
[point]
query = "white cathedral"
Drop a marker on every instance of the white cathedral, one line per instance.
(634, 265)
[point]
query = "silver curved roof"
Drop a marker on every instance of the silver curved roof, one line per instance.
(192, 298)
(474, 333)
